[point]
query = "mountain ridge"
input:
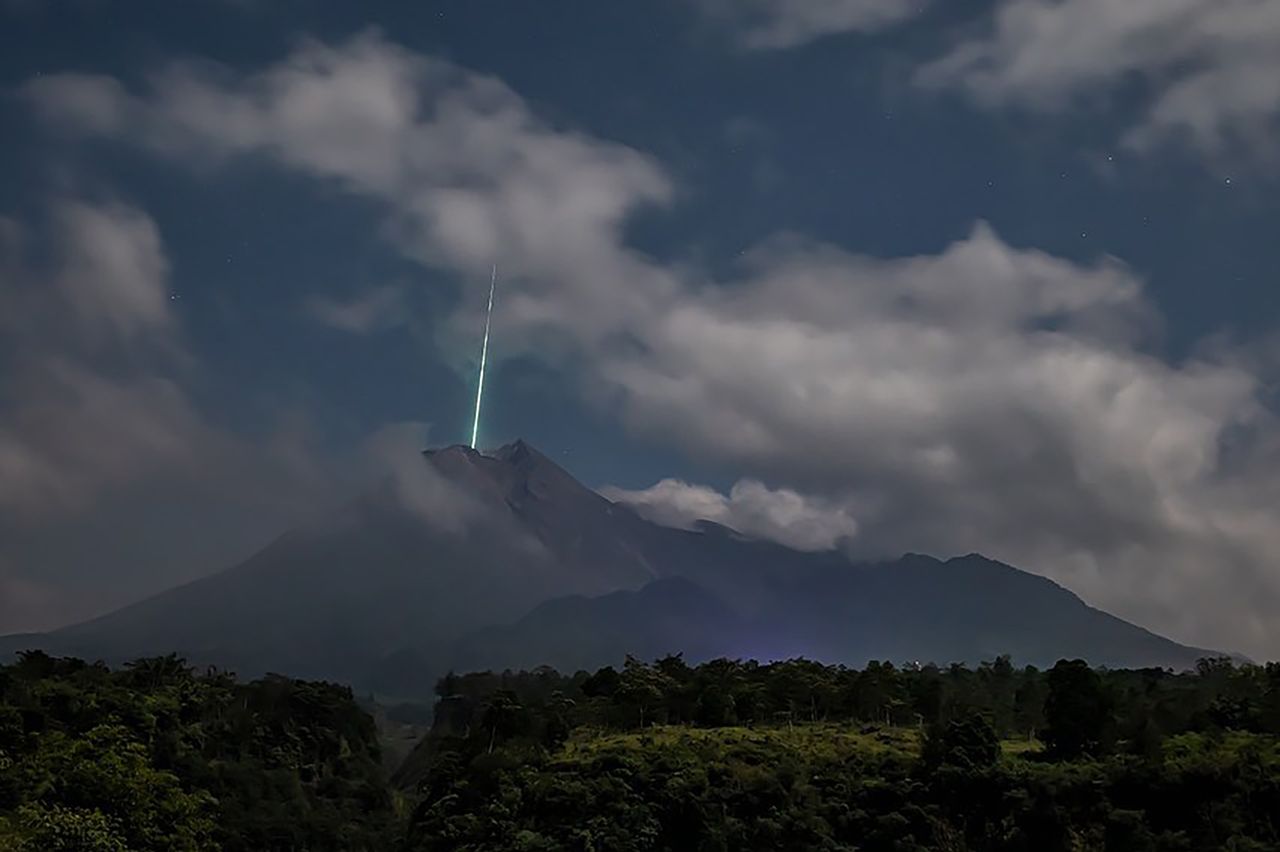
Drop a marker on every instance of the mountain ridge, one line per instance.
(459, 561)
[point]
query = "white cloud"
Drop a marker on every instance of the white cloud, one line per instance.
(1208, 71)
(750, 507)
(470, 174)
(984, 397)
(777, 24)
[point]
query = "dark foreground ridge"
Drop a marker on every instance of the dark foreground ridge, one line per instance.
(471, 561)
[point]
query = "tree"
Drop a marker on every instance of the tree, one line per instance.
(879, 692)
(1077, 712)
(965, 743)
(54, 828)
(642, 687)
(559, 720)
(998, 681)
(602, 684)
(503, 716)
(1028, 702)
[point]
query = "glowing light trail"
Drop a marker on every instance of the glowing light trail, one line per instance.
(484, 354)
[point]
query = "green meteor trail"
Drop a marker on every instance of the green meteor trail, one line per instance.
(484, 354)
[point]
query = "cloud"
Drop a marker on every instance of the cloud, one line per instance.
(114, 271)
(985, 398)
(1208, 73)
(373, 310)
(778, 24)
(102, 281)
(113, 481)
(75, 420)
(469, 174)
(76, 432)
(394, 453)
(981, 397)
(750, 507)
(442, 493)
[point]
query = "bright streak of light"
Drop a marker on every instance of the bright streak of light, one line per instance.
(484, 354)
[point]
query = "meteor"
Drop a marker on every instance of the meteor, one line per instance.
(484, 354)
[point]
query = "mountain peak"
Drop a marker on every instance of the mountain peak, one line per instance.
(521, 454)
(517, 471)
(453, 450)
(538, 476)
(518, 453)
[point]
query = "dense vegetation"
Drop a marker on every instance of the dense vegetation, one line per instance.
(157, 757)
(796, 755)
(722, 756)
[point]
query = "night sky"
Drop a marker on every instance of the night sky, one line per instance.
(887, 275)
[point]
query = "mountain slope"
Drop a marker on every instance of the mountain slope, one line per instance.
(668, 616)
(506, 560)
(404, 568)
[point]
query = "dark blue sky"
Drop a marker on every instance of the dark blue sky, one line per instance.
(833, 138)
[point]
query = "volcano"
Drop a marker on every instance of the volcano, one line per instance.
(470, 561)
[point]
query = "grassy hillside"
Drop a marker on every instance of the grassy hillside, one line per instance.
(814, 742)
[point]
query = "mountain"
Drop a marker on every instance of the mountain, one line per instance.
(505, 560)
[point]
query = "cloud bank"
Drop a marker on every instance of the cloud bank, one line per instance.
(750, 507)
(1207, 72)
(1204, 75)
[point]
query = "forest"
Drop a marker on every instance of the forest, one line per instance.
(662, 755)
